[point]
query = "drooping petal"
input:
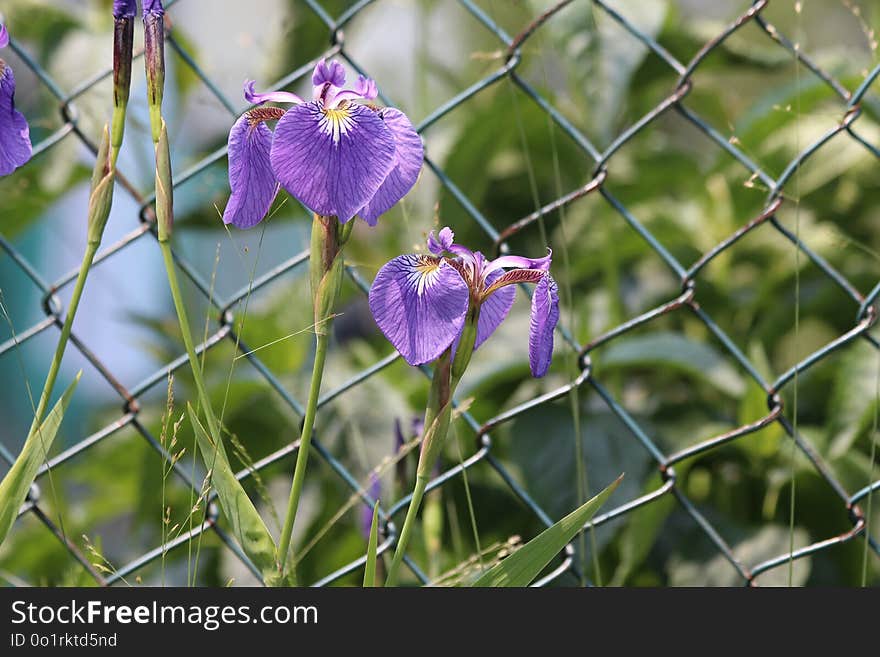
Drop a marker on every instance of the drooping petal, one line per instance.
(419, 303)
(123, 9)
(365, 89)
(15, 140)
(251, 96)
(4, 36)
(443, 241)
(250, 173)
(494, 309)
(408, 164)
(333, 161)
(544, 316)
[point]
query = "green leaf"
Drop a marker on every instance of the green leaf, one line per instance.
(524, 565)
(372, 549)
(17, 482)
(247, 525)
(638, 537)
(678, 352)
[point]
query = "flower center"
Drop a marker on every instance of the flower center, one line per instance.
(336, 122)
(426, 269)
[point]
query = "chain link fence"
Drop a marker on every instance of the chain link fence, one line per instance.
(499, 231)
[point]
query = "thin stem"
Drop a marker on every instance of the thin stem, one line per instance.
(213, 424)
(88, 257)
(411, 513)
(302, 455)
(438, 413)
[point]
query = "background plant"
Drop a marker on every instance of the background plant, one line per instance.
(671, 379)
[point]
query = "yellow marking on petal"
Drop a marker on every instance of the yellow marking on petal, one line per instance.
(336, 122)
(425, 273)
(428, 265)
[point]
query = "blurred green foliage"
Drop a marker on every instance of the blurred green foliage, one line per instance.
(504, 153)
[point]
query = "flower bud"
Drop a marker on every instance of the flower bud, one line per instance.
(101, 197)
(123, 39)
(154, 61)
(164, 189)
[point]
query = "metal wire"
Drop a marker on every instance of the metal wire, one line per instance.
(686, 302)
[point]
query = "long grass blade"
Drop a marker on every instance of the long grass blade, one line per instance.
(247, 525)
(17, 482)
(523, 566)
(372, 550)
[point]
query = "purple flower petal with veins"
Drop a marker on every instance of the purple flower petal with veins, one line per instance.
(442, 243)
(334, 73)
(544, 316)
(15, 140)
(406, 320)
(403, 176)
(419, 303)
(251, 96)
(336, 156)
(494, 309)
(250, 173)
(333, 161)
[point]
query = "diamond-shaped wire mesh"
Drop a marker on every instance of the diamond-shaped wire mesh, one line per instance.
(599, 183)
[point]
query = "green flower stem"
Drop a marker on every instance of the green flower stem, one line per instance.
(438, 415)
(302, 454)
(88, 257)
(100, 201)
(411, 513)
(180, 307)
(325, 275)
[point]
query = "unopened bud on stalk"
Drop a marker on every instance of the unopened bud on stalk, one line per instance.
(101, 197)
(325, 267)
(154, 61)
(123, 39)
(164, 190)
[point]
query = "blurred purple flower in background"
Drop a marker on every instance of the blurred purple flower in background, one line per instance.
(337, 156)
(373, 490)
(421, 301)
(15, 140)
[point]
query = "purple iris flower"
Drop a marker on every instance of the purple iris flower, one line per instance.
(15, 139)
(421, 301)
(337, 156)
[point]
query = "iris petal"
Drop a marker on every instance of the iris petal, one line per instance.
(332, 72)
(522, 263)
(408, 164)
(251, 95)
(4, 36)
(419, 303)
(443, 241)
(250, 173)
(544, 316)
(15, 140)
(494, 309)
(333, 161)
